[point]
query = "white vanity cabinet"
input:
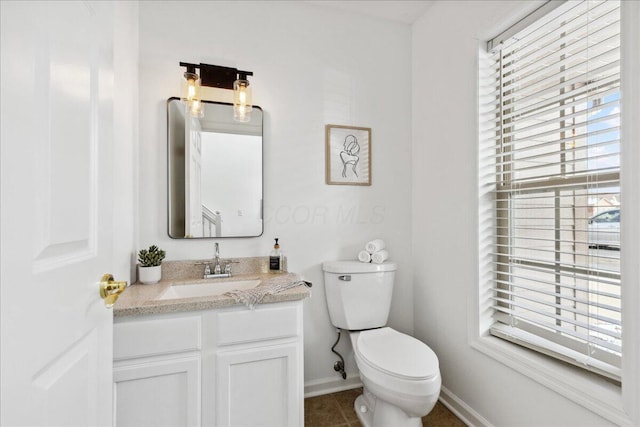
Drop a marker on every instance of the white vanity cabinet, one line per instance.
(225, 367)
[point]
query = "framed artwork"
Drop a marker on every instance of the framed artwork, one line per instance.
(348, 155)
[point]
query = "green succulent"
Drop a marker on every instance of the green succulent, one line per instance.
(151, 257)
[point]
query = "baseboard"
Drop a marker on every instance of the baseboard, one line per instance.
(461, 410)
(331, 385)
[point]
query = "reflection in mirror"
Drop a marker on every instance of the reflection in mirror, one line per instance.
(215, 172)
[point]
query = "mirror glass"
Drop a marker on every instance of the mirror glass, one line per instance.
(215, 172)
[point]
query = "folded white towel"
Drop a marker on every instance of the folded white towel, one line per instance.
(364, 256)
(379, 257)
(251, 297)
(375, 246)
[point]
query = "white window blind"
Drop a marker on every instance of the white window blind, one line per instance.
(550, 136)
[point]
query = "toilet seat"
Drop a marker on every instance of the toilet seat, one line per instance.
(397, 354)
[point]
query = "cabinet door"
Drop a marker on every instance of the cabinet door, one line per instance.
(259, 387)
(160, 393)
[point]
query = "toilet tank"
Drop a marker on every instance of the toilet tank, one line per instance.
(358, 294)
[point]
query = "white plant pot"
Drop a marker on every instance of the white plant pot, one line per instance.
(149, 275)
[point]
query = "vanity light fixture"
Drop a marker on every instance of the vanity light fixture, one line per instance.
(222, 78)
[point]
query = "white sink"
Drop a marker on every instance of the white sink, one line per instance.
(191, 290)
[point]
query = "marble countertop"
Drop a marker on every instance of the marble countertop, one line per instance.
(139, 299)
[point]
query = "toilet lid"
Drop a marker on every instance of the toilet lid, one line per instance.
(397, 354)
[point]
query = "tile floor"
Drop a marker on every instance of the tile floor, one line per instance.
(336, 410)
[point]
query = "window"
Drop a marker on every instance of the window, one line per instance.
(550, 159)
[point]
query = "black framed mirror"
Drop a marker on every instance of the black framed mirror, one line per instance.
(215, 172)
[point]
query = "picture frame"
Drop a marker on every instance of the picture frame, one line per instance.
(347, 155)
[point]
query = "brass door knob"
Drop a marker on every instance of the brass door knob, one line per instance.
(110, 289)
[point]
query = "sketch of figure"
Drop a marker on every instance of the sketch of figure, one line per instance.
(349, 155)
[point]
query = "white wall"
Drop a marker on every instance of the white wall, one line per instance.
(125, 106)
(445, 46)
(312, 66)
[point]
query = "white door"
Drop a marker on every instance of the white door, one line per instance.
(57, 221)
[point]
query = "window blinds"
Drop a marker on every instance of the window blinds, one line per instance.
(552, 140)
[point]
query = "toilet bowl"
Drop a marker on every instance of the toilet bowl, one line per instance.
(400, 374)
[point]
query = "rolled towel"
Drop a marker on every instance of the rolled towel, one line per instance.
(364, 256)
(375, 246)
(379, 257)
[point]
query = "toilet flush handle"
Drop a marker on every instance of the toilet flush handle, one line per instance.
(345, 278)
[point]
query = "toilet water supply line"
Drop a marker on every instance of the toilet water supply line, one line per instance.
(339, 365)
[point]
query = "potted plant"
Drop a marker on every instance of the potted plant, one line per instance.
(150, 268)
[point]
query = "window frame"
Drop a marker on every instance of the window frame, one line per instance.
(616, 403)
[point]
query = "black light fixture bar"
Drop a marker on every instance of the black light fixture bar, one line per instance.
(217, 76)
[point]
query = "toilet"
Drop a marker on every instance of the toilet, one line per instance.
(400, 374)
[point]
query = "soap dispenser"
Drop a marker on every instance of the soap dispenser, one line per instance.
(275, 259)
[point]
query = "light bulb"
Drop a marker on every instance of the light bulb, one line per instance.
(191, 90)
(191, 87)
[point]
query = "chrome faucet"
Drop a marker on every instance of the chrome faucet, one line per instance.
(217, 268)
